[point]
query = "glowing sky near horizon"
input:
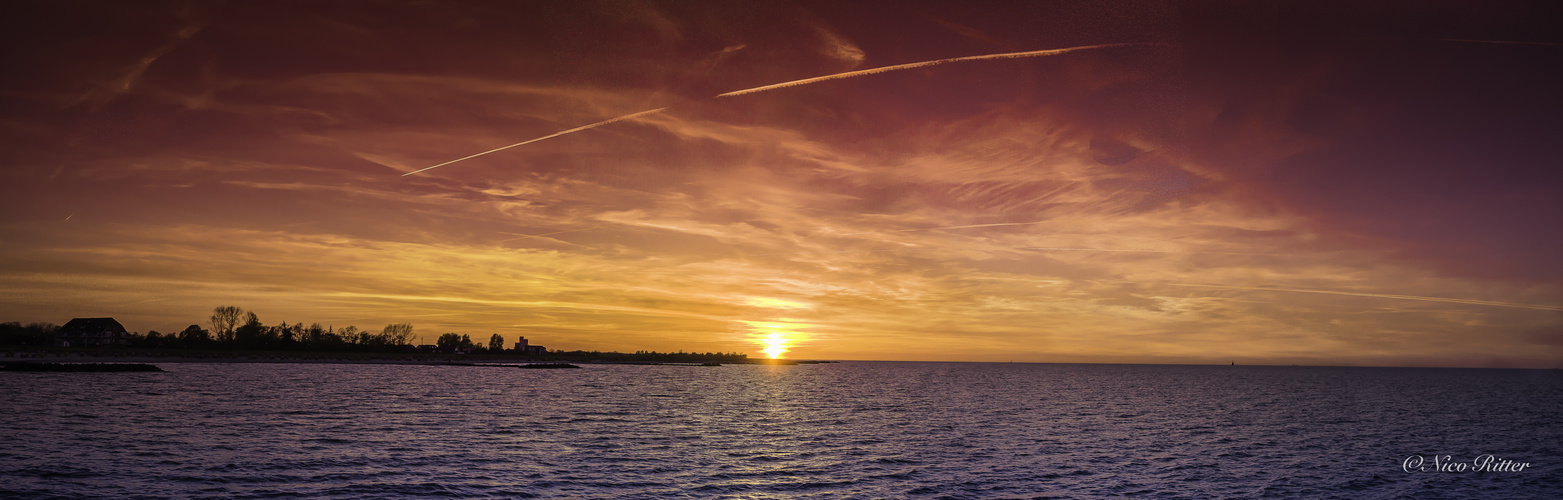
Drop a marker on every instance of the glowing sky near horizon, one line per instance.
(1259, 183)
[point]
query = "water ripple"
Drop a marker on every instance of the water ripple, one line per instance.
(848, 430)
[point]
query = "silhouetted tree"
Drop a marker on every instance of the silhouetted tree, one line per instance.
(194, 336)
(150, 340)
(397, 334)
(288, 334)
(313, 334)
(451, 341)
(448, 341)
(34, 334)
(225, 320)
(252, 333)
(496, 343)
(325, 338)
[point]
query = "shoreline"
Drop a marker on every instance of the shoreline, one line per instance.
(341, 358)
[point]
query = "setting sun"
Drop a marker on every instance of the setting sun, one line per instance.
(777, 337)
(664, 248)
(775, 345)
(938, 183)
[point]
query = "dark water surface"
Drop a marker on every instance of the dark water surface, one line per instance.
(848, 430)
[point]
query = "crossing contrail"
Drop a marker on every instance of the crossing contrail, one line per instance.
(806, 81)
(924, 64)
(550, 136)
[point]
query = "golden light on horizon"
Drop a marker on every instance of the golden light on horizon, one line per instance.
(775, 345)
(776, 337)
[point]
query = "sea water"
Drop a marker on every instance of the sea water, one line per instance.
(843, 430)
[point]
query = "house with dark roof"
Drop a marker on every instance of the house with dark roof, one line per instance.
(92, 332)
(524, 347)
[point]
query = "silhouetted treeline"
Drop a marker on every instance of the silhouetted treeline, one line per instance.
(233, 328)
(451, 342)
(34, 334)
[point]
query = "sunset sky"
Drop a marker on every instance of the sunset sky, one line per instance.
(1341, 183)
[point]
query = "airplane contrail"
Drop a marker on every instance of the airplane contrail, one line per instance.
(1360, 294)
(806, 81)
(550, 136)
(924, 64)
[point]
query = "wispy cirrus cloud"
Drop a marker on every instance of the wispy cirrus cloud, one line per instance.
(1108, 206)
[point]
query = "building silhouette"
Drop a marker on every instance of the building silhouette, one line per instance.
(92, 332)
(522, 347)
